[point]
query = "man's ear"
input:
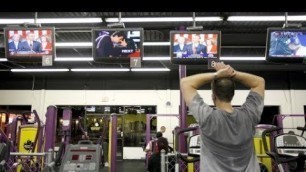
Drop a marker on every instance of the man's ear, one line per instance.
(213, 96)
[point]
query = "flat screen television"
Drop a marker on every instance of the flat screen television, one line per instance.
(286, 45)
(194, 47)
(29, 44)
(117, 45)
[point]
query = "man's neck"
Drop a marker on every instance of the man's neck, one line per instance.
(226, 106)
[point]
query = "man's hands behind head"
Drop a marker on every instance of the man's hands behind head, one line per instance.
(224, 71)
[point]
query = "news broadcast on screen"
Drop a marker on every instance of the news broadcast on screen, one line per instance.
(286, 45)
(194, 46)
(29, 42)
(116, 45)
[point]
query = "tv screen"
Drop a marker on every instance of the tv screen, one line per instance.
(194, 47)
(286, 45)
(117, 45)
(29, 44)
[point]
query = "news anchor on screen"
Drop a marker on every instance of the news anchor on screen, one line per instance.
(30, 44)
(15, 44)
(196, 47)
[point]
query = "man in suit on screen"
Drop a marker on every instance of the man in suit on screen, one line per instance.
(181, 46)
(196, 47)
(30, 44)
(106, 44)
(15, 44)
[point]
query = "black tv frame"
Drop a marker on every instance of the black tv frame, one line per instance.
(116, 59)
(194, 61)
(28, 58)
(284, 60)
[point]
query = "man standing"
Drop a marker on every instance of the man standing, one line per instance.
(226, 132)
(196, 47)
(30, 44)
(14, 45)
(181, 46)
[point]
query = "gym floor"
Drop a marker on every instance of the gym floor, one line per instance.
(128, 165)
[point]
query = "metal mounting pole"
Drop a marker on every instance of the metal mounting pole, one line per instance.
(193, 18)
(119, 18)
(286, 18)
(183, 113)
(35, 18)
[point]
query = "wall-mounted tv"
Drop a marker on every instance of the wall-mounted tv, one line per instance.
(194, 47)
(286, 45)
(117, 45)
(29, 44)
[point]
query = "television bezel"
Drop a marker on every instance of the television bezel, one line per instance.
(194, 61)
(29, 58)
(116, 59)
(281, 59)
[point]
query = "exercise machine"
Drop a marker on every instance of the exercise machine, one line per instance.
(288, 150)
(263, 158)
(84, 156)
(192, 157)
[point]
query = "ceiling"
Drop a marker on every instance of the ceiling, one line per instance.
(244, 38)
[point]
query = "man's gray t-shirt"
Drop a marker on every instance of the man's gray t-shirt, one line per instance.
(227, 138)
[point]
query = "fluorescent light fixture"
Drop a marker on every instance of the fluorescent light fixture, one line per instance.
(266, 18)
(100, 70)
(150, 69)
(73, 44)
(155, 58)
(296, 18)
(243, 58)
(208, 19)
(150, 19)
(3, 59)
(52, 20)
(39, 70)
(16, 21)
(162, 19)
(69, 20)
(156, 43)
(73, 59)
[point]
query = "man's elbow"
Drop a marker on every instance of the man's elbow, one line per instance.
(261, 81)
(183, 83)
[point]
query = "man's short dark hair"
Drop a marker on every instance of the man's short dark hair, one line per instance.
(224, 89)
(159, 134)
(162, 143)
(119, 33)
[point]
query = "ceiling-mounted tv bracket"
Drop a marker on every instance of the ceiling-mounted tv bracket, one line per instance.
(35, 24)
(117, 25)
(29, 25)
(291, 25)
(194, 27)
